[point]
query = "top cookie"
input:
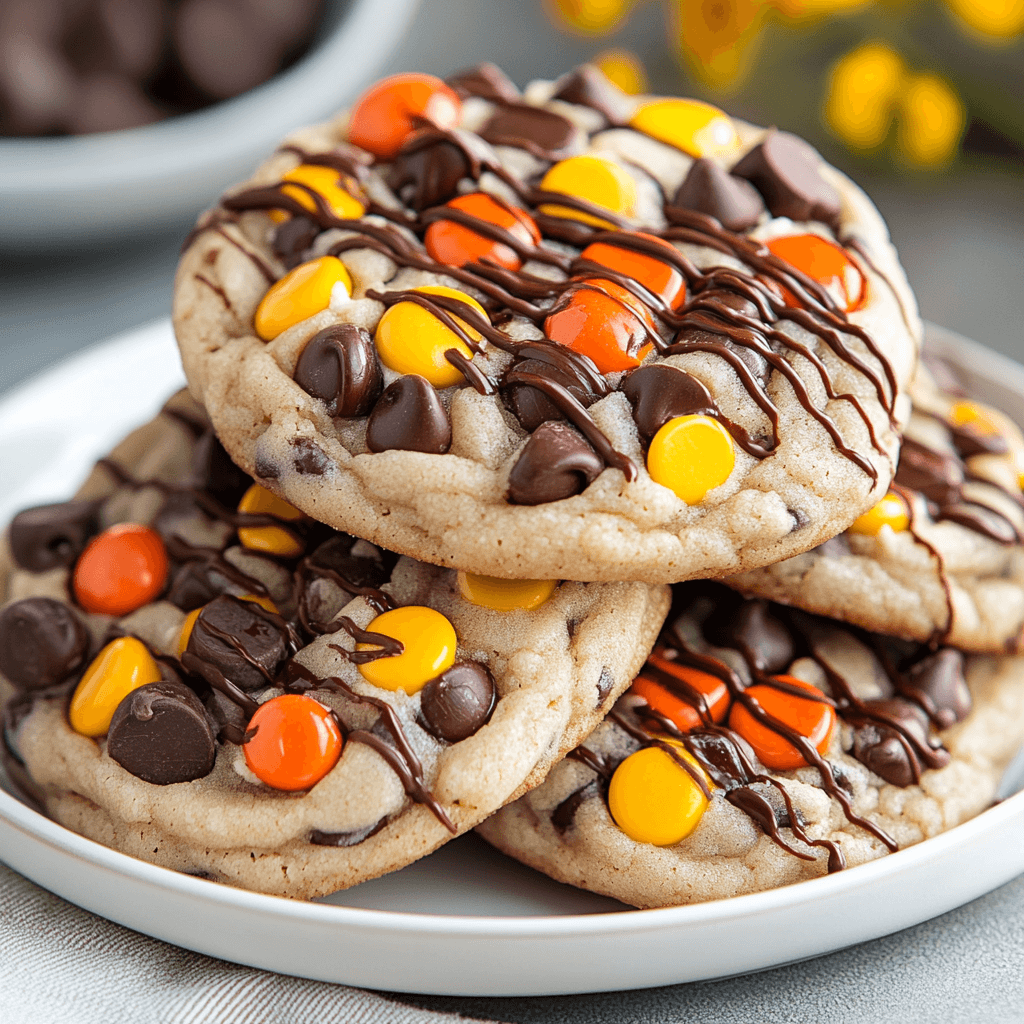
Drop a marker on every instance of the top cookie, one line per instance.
(566, 334)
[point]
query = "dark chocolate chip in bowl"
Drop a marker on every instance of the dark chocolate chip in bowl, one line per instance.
(339, 366)
(709, 188)
(161, 734)
(543, 132)
(458, 702)
(409, 417)
(556, 462)
(487, 81)
(42, 642)
(52, 536)
(660, 392)
(588, 87)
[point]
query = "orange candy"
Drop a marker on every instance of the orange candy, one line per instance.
(810, 718)
(456, 245)
(660, 697)
(825, 262)
(655, 275)
(604, 321)
(122, 569)
(390, 111)
(296, 744)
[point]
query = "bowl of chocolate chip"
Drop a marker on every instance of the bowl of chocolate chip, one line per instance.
(119, 117)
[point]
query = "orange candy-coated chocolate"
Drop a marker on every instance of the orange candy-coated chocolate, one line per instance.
(390, 111)
(660, 695)
(456, 245)
(604, 321)
(120, 570)
(825, 262)
(809, 717)
(296, 742)
(654, 274)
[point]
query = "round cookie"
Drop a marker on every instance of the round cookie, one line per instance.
(564, 333)
(942, 556)
(682, 796)
(297, 710)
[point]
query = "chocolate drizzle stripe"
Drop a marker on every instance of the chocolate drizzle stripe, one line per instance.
(476, 377)
(215, 288)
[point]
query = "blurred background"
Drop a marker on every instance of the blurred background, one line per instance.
(920, 101)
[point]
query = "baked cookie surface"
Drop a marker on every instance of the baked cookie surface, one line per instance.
(285, 708)
(628, 363)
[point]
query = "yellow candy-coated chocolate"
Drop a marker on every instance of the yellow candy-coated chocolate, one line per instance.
(429, 640)
(190, 620)
(300, 294)
(691, 455)
(891, 511)
(655, 800)
(271, 540)
(505, 595)
(694, 127)
(596, 179)
(410, 339)
(327, 183)
(964, 413)
(122, 666)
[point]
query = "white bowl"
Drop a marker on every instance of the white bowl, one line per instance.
(83, 188)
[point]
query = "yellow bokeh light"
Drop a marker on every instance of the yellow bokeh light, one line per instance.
(589, 17)
(717, 38)
(863, 88)
(624, 69)
(808, 10)
(994, 19)
(931, 121)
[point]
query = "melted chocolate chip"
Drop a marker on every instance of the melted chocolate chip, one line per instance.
(937, 683)
(539, 131)
(308, 458)
(342, 839)
(660, 392)
(339, 366)
(409, 417)
(52, 536)
(293, 238)
(587, 86)
(709, 188)
(487, 81)
(880, 747)
(752, 629)
(459, 701)
(530, 405)
(42, 642)
(556, 462)
(427, 170)
(160, 733)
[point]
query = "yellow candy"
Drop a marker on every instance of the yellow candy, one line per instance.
(891, 511)
(271, 540)
(410, 339)
(597, 180)
(694, 127)
(429, 640)
(326, 182)
(122, 666)
(300, 294)
(655, 800)
(963, 414)
(505, 595)
(190, 620)
(691, 455)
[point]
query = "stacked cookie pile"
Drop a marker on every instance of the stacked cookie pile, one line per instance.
(475, 376)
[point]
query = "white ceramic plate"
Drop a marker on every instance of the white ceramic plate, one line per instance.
(464, 921)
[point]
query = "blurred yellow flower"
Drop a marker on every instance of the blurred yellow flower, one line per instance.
(931, 121)
(863, 88)
(624, 68)
(589, 17)
(997, 19)
(717, 37)
(807, 10)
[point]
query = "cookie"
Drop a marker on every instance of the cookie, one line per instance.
(204, 678)
(565, 333)
(940, 558)
(761, 746)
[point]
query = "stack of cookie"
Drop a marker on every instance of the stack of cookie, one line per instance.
(475, 375)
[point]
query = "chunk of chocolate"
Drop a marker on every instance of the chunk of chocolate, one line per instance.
(787, 172)
(53, 536)
(42, 642)
(880, 747)
(354, 560)
(588, 86)
(709, 188)
(339, 366)
(191, 587)
(937, 683)
(459, 701)
(160, 733)
(243, 644)
(487, 81)
(562, 366)
(936, 475)
(308, 458)
(752, 629)
(428, 168)
(292, 238)
(660, 392)
(556, 462)
(409, 417)
(542, 132)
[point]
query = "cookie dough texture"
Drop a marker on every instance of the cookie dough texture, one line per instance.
(451, 509)
(557, 670)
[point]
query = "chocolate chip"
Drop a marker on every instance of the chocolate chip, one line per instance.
(539, 131)
(660, 392)
(459, 701)
(529, 404)
(353, 838)
(556, 462)
(214, 472)
(725, 756)
(605, 685)
(293, 238)
(409, 417)
(42, 642)
(879, 746)
(265, 467)
(587, 86)
(230, 719)
(370, 567)
(709, 188)
(936, 475)
(786, 171)
(191, 587)
(339, 366)
(428, 169)
(752, 629)
(52, 536)
(487, 81)
(308, 458)
(160, 733)
(243, 644)
(937, 683)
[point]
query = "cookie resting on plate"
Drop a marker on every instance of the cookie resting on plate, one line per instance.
(563, 333)
(761, 746)
(251, 696)
(940, 557)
